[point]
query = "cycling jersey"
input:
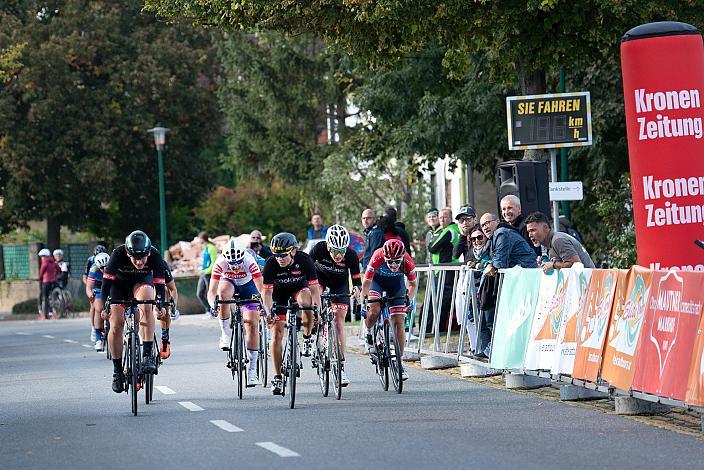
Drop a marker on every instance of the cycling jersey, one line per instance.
(385, 280)
(168, 275)
(238, 274)
(96, 275)
(89, 264)
(121, 276)
(332, 274)
(287, 281)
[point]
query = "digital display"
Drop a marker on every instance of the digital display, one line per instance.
(549, 121)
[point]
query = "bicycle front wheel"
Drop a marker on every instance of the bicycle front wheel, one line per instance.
(335, 359)
(293, 369)
(321, 360)
(382, 362)
(134, 361)
(263, 354)
(106, 344)
(395, 359)
(239, 344)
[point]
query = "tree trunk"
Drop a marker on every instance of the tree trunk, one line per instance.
(533, 82)
(53, 233)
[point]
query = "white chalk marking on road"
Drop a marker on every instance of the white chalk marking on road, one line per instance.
(86, 345)
(277, 449)
(225, 426)
(47, 336)
(70, 341)
(190, 406)
(164, 389)
(23, 333)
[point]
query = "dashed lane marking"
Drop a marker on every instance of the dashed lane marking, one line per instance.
(190, 406)
(277, 449)
(47, 336)
(23, 333)
(86, 345)
(70, 341)
(164, 389)
(225, 426)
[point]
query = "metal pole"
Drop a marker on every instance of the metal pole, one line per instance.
(553, 178)
(564, 175)
(162, 200)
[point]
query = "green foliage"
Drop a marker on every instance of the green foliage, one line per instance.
(9, 61)
(271, 208)
(93, 76)
(614, 207)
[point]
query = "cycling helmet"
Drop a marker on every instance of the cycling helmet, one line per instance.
(44, 252)
(58, 252)
(393, 249)
(283, 243)
(99, 249)
(337, 237)
(101, 260)
(138, 244)
(234, 251)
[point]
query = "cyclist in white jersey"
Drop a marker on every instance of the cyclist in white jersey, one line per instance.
(237, 271)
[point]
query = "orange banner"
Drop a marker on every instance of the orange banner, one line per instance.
(695, 384)
(594, 322)
(625, 326)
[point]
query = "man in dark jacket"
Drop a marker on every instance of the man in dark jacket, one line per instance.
(372, 235)
(511, 213)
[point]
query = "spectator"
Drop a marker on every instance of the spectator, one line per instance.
(64, 269)
(393, 229)
(48, 271)
(563, 249)
(511, 213)
(210, 254)
(371, 233)
(444, 238)
(467, 220)
(475, 251)
(431, 218)
(507, 249)
(318, 230)
(257, 245)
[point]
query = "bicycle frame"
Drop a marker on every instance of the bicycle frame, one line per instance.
(383, 338)
(291, 361)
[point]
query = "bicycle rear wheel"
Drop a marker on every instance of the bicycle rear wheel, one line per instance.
(134, 361)
(335, 359)
(293, 369)
(321, 361)
(382, 363)
(395, 359)
(263, 354)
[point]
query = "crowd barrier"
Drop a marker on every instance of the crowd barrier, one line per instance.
(633, 332)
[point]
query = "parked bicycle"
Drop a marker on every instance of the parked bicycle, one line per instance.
(386, 355)
(328, 354)
(135, 379)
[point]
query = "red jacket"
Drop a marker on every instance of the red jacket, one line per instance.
(48, 270)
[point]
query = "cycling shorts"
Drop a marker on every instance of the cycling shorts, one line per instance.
(340, 302)
(96, 292)
(281, 298)
(392, 289)
(245, 291)
(123, 289)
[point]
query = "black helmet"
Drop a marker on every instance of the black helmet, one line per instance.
(99, 249)
(283, 243)
(138, 244)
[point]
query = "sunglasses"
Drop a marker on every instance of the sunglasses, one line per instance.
(478, 238)
(139, 258)
(282, 255)
(486, 224)
(336, 251)
(233, 263)
(394, 262)
(464, 220)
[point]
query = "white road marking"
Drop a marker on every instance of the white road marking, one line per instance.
(164, 389)
(22, 333)
(70, 341)
(190, 406)
(277, 449)
(87, 345)
(47, 336)
(225, 426)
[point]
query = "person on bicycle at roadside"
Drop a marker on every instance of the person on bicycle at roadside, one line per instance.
(162, 315)
(135, 271)
(289, 274)
(47, 277)
(93, 313)
(237, 272)
(385, 272)
(62, 278)
(335, 263)
(93, 286)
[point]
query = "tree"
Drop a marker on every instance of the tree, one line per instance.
(92, 77)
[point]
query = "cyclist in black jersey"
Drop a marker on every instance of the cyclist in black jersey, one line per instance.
(135, 270)
(94, 314)
(288, 274)
(335, 263)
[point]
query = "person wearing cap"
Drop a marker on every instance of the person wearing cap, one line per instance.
(444, 238)
(431, 218)
(48, 272)
(466, 220)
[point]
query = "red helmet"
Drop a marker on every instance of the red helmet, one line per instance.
(394, 249)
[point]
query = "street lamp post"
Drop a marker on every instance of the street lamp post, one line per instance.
(159, 141)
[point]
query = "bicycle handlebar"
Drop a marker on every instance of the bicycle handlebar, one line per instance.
(384, 299)
(335, 296)
(133, 302)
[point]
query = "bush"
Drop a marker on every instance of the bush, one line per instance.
(28, 306)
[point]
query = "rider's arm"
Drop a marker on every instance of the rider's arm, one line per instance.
(268, 299)
(89, 288)
(173, 292)
(366, 285)
(409, 267)
(213, 289)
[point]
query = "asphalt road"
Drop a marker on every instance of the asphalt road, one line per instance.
(57, 410)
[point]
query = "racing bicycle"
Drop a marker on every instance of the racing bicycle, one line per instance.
(328, 355)
(386, 355)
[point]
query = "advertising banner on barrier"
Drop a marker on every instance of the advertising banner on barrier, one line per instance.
(546, 321)
(663, 88)
(514, 315)
(695, 383)
(575, 296)
(594, 322)
(669, 329)
(627, 314)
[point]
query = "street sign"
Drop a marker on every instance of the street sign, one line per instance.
(566, 191)
(549, 121)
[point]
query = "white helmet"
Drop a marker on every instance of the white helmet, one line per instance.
(337, 237)
(44, 252)
(234, 251)
(101, 260)
(58, 252)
